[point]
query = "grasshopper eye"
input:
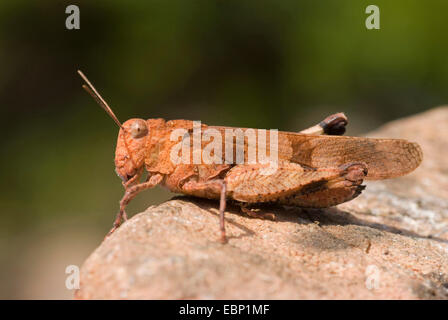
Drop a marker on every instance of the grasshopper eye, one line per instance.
(139, 129)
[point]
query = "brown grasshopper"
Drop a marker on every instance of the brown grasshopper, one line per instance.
(314, 168)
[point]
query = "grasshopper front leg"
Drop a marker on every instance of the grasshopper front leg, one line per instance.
(130, 194)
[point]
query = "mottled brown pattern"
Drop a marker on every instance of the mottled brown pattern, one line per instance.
(312, 169)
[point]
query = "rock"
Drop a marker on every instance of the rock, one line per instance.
(389, 243)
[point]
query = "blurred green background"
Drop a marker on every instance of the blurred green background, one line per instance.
(265, 64)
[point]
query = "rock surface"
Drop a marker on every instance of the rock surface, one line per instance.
(389, 243)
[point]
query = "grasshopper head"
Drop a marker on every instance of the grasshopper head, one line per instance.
(131, 143)
(131, 148)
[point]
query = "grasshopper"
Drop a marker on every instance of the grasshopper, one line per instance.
(315, 168)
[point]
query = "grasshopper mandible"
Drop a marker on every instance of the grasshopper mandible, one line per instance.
(315, 168)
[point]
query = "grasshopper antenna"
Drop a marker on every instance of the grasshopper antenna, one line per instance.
(99, 99)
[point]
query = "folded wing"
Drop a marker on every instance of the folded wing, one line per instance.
(385, 158)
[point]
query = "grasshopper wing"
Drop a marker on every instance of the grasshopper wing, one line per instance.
(384, 158)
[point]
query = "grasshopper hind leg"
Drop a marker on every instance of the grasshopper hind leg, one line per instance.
(323, 198)
(293, 184)
(327, 193)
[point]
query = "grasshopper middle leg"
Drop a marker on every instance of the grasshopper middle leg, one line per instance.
(212, 189)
